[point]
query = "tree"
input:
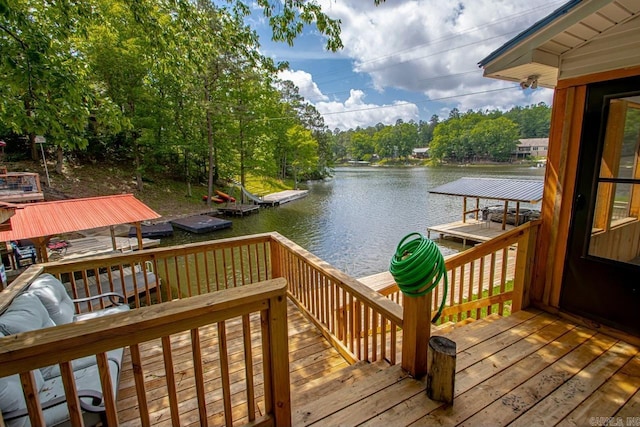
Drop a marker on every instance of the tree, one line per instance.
(534, 121)
(303, 151)
(495, 139)
(45, 86)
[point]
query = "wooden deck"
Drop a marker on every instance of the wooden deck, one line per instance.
(530, 368)
(310, 357)
(470, 231)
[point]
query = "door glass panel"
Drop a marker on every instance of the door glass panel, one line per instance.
(615, 231)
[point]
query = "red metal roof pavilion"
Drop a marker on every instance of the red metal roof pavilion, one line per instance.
(40, 221)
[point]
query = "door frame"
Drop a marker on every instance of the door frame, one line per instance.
(585, 298)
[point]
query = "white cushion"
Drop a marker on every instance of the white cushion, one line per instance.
(25, 313)
(11, 395)
(54, 297)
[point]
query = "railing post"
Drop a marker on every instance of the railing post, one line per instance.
(524, 268)
(416, 331)
(279, 360)
(276, 258)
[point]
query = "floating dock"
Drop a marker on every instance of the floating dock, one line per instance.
(281, 197)
(470, 230)
(153, 231)
(238, 209)
(201, 223)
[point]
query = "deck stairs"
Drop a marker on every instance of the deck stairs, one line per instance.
(357, 393)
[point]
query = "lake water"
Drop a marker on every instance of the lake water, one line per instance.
(356, 219)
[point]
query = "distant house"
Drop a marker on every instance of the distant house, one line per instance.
(531, 147)
(421, 153)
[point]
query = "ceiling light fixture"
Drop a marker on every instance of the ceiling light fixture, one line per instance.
(531, 82)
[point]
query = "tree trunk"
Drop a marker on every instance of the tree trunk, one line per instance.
(136, 154)
(60, 160)
(34, 147)
(186, 171)
(211, 158)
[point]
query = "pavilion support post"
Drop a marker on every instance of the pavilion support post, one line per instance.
(517, 222)
(464, 210)
(139, 234)
(504, 215)
(477, 207)
(114, 245)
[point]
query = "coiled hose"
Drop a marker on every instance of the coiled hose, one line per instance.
(417, 267)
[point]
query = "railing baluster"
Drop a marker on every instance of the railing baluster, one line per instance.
(32, 401)
(199, 285)
(224, 372)
(71, 394)
(170, 379)
(198, 372)
(472, 268)
(141, 393)
(187, 269)
(248, 363)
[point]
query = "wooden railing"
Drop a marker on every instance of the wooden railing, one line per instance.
(160, 325)
(491, 277)
(20, 187)
(179, 271)
(360, 323)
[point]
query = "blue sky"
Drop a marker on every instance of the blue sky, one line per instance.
(407, 59)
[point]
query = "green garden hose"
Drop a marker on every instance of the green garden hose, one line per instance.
(417, 267)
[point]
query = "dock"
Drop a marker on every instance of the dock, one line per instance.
(98, 245)
(153, 231)
(201, 223)
(238, 209)
(471, 230)
(282, 197)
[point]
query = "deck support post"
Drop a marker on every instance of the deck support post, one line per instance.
(416, 331)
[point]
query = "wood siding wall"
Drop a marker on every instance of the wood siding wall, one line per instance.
(559, 188)
(620, 243)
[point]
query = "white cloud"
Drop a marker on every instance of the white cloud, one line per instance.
(304, 81)
(356, 112)
(425, 47)
(433, 46)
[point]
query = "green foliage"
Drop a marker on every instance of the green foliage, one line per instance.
(533, 120)
(173, 85)
(462, 137)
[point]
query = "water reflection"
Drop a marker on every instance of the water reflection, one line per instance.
(355, 220)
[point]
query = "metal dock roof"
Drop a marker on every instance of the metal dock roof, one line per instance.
(513, 190)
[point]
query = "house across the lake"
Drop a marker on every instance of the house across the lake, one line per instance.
(531, 147)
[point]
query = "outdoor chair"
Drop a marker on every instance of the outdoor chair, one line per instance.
(21, 253)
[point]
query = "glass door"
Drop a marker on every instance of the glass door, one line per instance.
(602, 271)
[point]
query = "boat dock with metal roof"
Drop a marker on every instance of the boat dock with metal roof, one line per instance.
(476, 223)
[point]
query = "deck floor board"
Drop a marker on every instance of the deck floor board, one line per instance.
(528, 368)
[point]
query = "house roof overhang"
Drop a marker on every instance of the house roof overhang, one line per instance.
(539, 50)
